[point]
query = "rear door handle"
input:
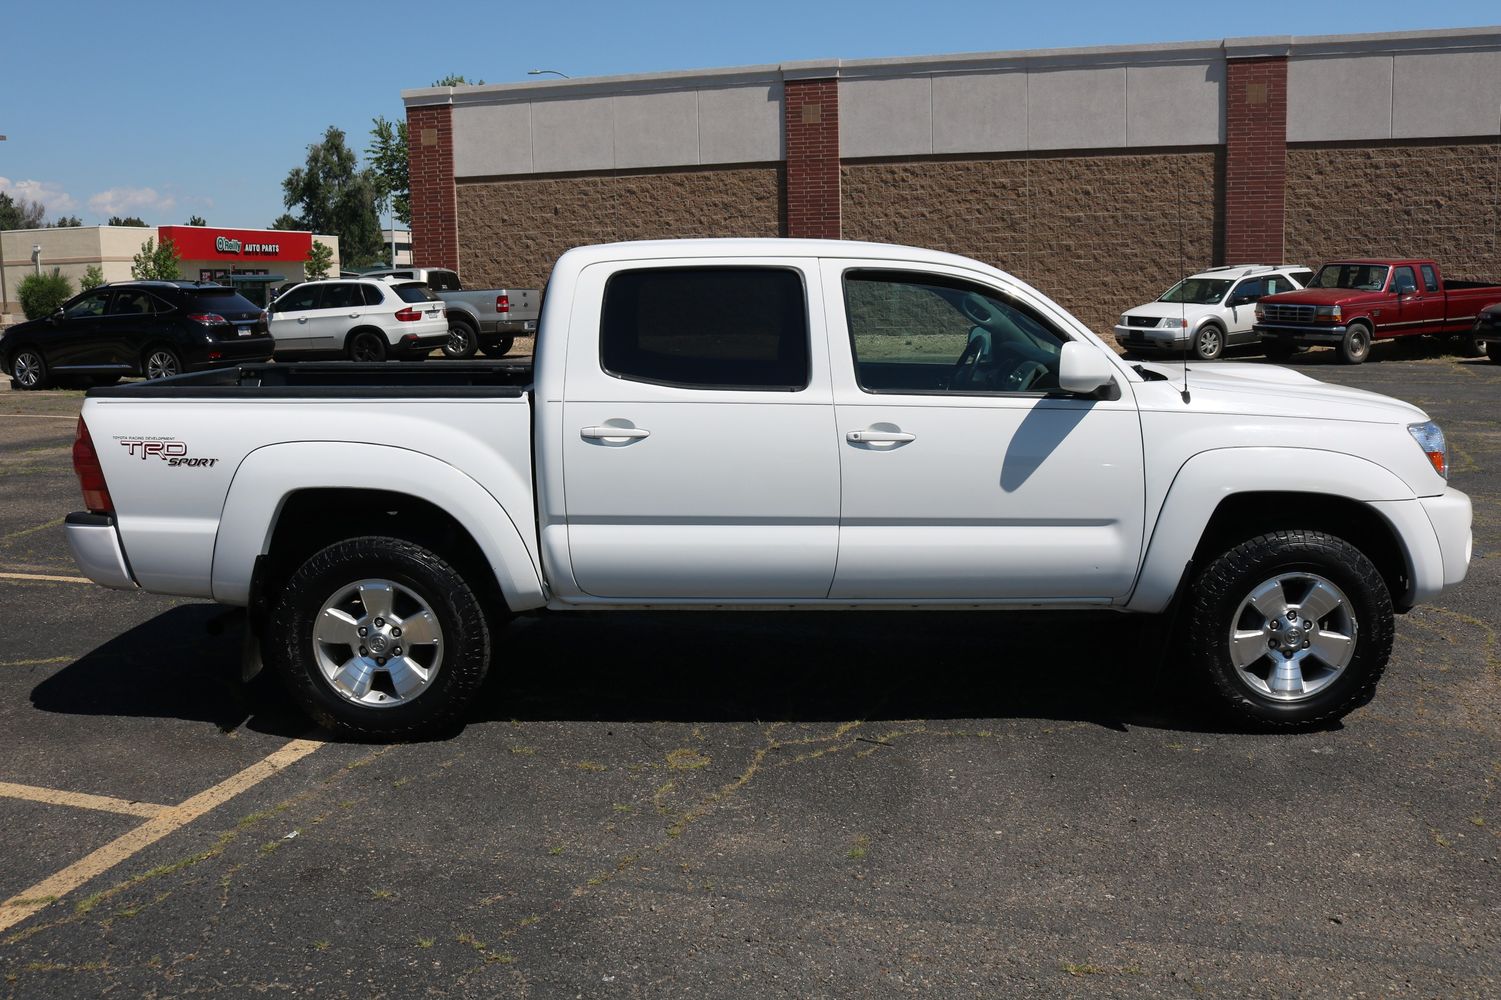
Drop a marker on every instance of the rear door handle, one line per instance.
(615, 433)
(879, 437)
(302, 319)
(354, 315)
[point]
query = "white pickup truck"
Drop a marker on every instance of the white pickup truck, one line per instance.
(772, 424)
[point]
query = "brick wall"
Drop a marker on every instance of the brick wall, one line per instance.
(1098, 234)
(1255, 159)
(512, 231)
(435, 236)
(1421, 200)
(810, 126)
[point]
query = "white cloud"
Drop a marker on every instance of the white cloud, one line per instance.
(129, 201)
(47, 192)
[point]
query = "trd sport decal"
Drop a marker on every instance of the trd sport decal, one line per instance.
(174, 453)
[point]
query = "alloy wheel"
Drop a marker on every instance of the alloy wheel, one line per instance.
(377, 643)
(1292, 636)
(161, 364)
(27, 367)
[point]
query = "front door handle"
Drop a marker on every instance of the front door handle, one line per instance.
(879, 437)
(302, 319)
(354, 315)
(607, 433)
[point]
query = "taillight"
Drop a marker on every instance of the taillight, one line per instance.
(208, 319)
(90, 473)
(408, 315)
(502, 303)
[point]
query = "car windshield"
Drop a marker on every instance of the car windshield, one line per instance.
(415, 291)
(1366, 277)
(1197, 291)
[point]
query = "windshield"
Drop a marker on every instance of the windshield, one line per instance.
(1197, 291)
(1366, 277)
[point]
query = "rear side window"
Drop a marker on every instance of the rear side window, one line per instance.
(1302, 276)
(1404, 279)
(1430, 278)
(373, 295)
(415, 292)
(707, 328)
(342, 295)
(132, 303)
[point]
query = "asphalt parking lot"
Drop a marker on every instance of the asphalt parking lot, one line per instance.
(743, 805)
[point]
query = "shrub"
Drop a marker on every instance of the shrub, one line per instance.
(42, 294)
(93, 277)
(156, 262)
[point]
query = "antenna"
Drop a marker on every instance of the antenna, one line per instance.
(1182, 308)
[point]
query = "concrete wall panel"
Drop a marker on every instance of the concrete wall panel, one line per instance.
(1449, 93)
(740, 124)
(1347, 97)
(572, 135)
(492, 139)
(656, 129)
(1175, 105)
(980, 112)
(1077, 108)
(886, 117)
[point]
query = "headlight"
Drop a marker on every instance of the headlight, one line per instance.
(1123, 322)
(1328, 312)
(1173, 321)
(1260, 311)
(1430, 437)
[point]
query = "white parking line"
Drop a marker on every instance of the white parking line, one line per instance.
(169, 820)
(80, 800)
(45, 578)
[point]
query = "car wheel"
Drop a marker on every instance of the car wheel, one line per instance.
(367, 345)
(1291, 628)
(1356, 346)
(28, 369)
(378, 636)
(160, 362)
(1209, 342)
(498, 348)
(462, 341)
(1466, 346)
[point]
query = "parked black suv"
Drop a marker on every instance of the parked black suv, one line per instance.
(150, 328)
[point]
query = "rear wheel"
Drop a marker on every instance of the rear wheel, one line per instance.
(366, 345)
(498, 348)
(378, 636)
(28, 369)
(1291, 628)
(160, 362)
(1356, 346)
(463, 340)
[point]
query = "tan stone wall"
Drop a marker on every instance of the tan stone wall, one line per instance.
(1439, 201)
(511, 231)
(1098, 234)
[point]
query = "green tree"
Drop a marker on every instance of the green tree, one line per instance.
(387, 154)
(196, 220)
(93, 277)
(43, 294)
(156, 263)
(334, 196)
(287, 220)
(129, 220)
(320, 260)
(455, 80)
(19, 213)
(67, 222)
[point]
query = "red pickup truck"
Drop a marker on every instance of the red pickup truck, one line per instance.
(1350, 303)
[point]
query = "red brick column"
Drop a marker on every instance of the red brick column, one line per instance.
(810, 123)
(435, 225)
(1255, 159)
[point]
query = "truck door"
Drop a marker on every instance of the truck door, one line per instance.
(698, 454)
(967, 475)
(1416, 310)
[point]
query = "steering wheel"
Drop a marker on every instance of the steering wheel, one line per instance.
(1026, 375)
(968, 365)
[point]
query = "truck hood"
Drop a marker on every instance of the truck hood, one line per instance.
(1270, 390)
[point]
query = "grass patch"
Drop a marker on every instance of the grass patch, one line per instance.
(590, 765)
(426, 942)
(523, 751)
(686, 759)
(1084, 970)
(859, 849)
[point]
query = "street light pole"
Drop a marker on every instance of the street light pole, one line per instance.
(539, 72)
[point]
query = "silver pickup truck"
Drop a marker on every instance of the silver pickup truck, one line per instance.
(487, 320)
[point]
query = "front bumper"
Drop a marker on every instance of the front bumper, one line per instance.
(1435, 536)
(1287, 333)
(1153, 338)
(1488, 333)
(95, 543)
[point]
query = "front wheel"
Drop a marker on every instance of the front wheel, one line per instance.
(378, 636)
(1209, 342)
(367, 345)
(1356, 346)
(498, 348)
(28, 369)
(1291, 628)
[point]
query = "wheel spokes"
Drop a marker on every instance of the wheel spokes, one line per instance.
(1332, 648)
(355, 676)
(1247, 646)
(377, 598)
(336, 627)
(1321, 600)
(1269, 600)
(407, 677)
(419, 629)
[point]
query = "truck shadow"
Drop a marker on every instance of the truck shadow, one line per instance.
(692, 667)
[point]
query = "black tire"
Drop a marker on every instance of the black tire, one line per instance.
(160, 362)
(1209, 342)
(1278, 351)
(1492, 351)
(1466, 346)
(1214, 611)
(366, 345)
(498, 348)
(292, 653)
(462, 342)
(1356, 346)
(28, 369)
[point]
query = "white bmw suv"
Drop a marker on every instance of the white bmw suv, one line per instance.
(1208, 311)
(362, 319)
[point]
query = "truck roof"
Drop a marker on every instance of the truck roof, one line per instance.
(765, 247)
(1385, 261)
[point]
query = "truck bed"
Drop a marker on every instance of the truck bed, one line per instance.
(337, 379)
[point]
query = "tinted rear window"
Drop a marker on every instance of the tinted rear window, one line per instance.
(217, 300)
(444, 281)
(415, 292)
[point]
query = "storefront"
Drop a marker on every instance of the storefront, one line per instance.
(210, 253)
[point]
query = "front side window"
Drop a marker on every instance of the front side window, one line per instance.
(1430, 278)
(922, 333)
(1362, 277)
(86, 306)
(707, 328)
(299, 299)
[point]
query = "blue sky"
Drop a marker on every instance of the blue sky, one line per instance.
(164, 110)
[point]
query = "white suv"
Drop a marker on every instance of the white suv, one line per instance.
(363, 319)
(1208, 311)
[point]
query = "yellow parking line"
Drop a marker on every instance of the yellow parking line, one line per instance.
(169, 820)
(41, 416)
(56, 522)
(45, 578)
(79, 800)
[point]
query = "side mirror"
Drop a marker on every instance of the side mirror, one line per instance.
(1082, 369)
(56, 316)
